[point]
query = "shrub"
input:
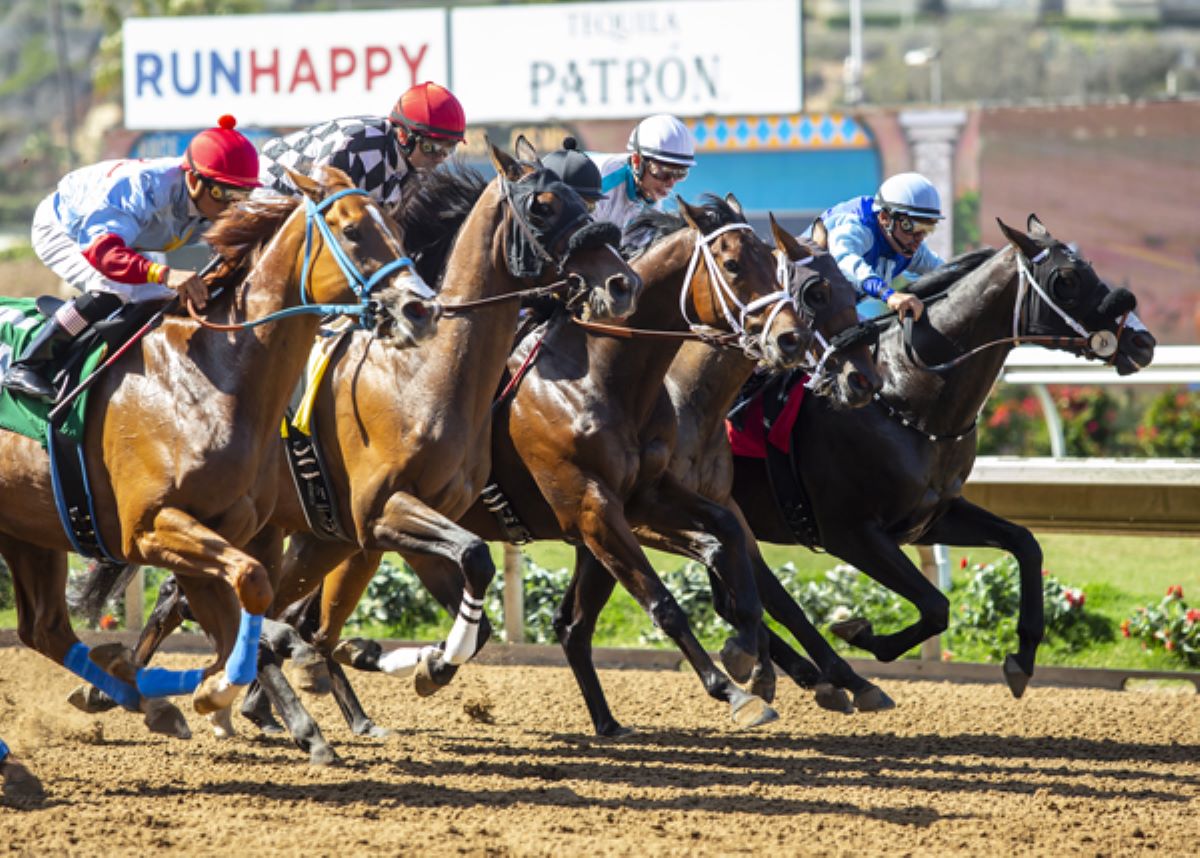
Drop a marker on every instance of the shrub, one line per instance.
(1171, 425)
(543, 591)
(396, 598)
(1170, 624)
(692, 590)
(843, 593)
(1012, 425)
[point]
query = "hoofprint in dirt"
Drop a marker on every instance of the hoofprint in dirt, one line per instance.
(503, 762)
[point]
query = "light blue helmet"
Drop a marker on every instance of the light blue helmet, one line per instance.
(911, 194)
(663, 138)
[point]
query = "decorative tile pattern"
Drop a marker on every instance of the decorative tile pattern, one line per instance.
(787, 131)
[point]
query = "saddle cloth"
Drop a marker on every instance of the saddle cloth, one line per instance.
(749, 435)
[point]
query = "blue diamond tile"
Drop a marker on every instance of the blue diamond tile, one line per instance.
(806, 130)
(764, 131)
(722, 133)
(785, 130)
(827, 129)
(742, 131)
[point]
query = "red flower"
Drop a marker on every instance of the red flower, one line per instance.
(1125, 628)
(1193, 615)
(962, 564)
(1170, 645)
(108, 622)
(947, 655)
(1175, 590)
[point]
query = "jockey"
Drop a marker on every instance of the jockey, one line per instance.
(376, 152)
(660, 153)
(876, 239)
(577, 170)
(94, 229)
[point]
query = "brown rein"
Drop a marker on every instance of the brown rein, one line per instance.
(720, 339)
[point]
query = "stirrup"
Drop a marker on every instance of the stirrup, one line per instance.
(29, 382)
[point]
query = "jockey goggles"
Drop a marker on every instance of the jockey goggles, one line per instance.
(227, 193)
(435, 149)
(665, 172)
(912, 226)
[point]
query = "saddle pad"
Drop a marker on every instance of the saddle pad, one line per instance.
(20, 322)
(751, 440)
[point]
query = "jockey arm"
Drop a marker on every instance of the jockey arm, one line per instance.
(849, 243)
(107, 231)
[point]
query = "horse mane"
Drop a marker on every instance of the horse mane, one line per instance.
(239, 235)
(942, 278)
(434, 206)
(652, 225)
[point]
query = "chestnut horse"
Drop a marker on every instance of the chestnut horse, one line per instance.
(181, 437)
(703, 382)
(892, 474)
(404, 435)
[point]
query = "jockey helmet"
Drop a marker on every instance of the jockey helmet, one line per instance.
(430, 110)
(911, 194)
(664, 138)
(576, 169)
(223, 155)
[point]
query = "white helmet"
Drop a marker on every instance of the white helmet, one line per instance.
(663, 138)
(910, 194)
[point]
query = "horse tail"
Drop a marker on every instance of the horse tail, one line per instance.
(98, 583)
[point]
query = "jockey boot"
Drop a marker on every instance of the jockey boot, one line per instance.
(32, 373)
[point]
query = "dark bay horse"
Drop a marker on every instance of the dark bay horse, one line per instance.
(703, 383)
(405, 435)
(182, 436)
(892, 474)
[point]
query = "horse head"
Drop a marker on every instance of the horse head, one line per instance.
(352, 245)
(845, 370)
(1067, 296)
(737, 289)
(547, 233)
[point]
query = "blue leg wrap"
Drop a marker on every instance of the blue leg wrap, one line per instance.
(78, 663)
(160, 682)
(242, 666)
(3, 751)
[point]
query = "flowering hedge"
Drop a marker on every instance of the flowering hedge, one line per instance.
(1170, 624)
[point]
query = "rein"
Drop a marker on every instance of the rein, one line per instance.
(535, 292)
(361, 285)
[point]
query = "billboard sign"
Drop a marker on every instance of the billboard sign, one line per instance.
(277, 70)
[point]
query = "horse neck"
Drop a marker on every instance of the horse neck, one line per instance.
(704, 382)
(633, 369)
(977, 310)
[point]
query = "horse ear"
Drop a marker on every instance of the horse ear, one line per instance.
(1020, 240)
(309, 187)
(732, 202)
(526, 151)
(1034, 225)
(690, 217)
(787, 242)
(504, 163)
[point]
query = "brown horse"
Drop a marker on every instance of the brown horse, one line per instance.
(703, 383)
(404, 435)
(182, 436)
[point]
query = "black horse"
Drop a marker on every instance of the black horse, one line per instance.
(892, 474)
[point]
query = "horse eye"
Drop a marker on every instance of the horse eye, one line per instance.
(537, 208)
(732, 266)
(1066, 287)
(817, 296)
(351, 232)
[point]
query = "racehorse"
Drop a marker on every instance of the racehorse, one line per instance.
(703, 382)
(892, 474)
(583, 434)
(404, 435)
(181, 436)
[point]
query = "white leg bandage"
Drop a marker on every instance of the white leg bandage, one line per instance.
(464, 637)
(402, 662)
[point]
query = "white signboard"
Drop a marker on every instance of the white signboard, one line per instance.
(627, 59)
(277, 70)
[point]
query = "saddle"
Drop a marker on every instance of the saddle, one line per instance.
(759, 426)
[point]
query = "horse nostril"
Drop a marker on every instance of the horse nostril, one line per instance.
(789, 342)
(416, 311)
(858, 382)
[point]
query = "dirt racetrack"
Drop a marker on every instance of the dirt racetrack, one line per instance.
(956, 769)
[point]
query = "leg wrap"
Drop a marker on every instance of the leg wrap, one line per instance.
(78, 663)
(242, 666)
(402, 662)
(464, 636)
(160, 682)
(3, 751)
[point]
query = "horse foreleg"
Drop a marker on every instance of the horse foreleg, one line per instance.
(877, 555)
(965, 524)
(606, 533)
(575, 625)
(687, 523)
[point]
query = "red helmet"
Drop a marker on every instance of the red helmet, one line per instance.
(223, 155)
(430, 110)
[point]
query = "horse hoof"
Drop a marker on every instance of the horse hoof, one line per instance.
(371, 730)
(163, 717)
(90, 699)
(614, 731)
(739, 662)
(20, 784)
(1015, 676)
(873, 699)
(752, 712)
(215, 692)
(323, 755)
(358, 653)
(762, 684)
(116, 660)
(829, 696)
(432, 674)
(848, 630)
(221, 722)
(310, 672)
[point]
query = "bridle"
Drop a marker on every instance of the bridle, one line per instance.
(363, 286)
